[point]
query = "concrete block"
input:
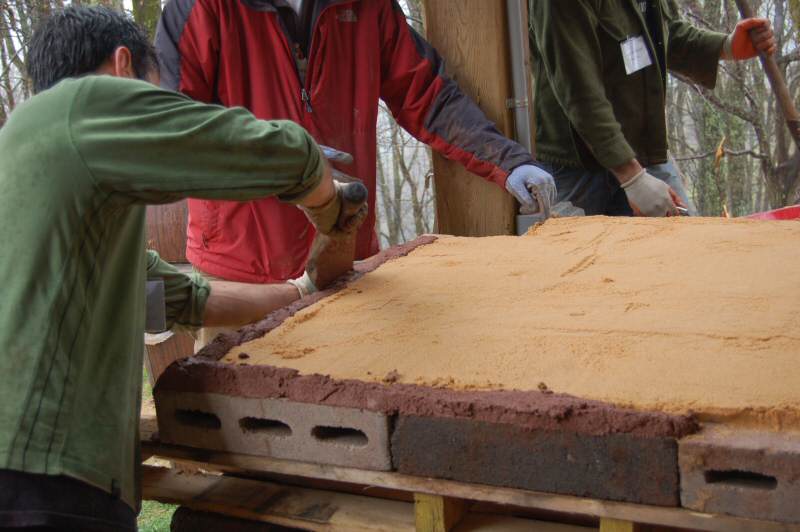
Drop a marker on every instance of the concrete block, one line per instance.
(745, 473)
(277, 428)
(615, 466)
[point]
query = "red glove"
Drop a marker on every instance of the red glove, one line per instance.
(744, 45)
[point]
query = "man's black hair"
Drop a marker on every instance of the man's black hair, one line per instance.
(76, 40)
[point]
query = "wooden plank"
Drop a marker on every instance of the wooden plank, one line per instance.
(310, 508)
(434, 513)
(472, 36)
(676, 517)
(274, 503)
(478, 522)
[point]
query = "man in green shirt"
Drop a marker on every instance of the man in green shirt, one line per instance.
(81, 160)
(601, 71)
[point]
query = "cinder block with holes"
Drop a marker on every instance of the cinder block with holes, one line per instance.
(746, 473)
(277, 428)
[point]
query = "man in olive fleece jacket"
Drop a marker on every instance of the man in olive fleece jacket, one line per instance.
(600, 91)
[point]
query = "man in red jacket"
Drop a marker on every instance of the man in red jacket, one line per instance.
(324, 64)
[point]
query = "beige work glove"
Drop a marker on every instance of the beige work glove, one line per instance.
(325, 216)
(337, 223)
(330, 218)
(649, 195)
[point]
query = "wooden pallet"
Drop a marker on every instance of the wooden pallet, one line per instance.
(322, 510)
(438, 503)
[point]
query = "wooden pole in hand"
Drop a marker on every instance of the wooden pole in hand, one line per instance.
(777, 81)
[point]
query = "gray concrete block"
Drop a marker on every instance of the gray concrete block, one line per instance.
(616, 466)
(277, 428)
(745, 473)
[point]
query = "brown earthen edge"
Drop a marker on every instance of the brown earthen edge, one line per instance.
(534, 410)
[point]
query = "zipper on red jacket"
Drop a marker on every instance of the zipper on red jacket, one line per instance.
(305, 89)
(306, 99)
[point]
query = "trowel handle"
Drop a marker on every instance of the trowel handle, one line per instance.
(544, 203)
(337, 156)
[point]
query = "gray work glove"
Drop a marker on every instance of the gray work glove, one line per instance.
(534, 188)
(650, 195)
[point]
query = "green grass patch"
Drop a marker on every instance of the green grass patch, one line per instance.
(155, 517)
(147, 390)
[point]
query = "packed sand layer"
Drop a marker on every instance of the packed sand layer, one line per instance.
(679, 315)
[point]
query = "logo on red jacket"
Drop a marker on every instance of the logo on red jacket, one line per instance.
(347, 15)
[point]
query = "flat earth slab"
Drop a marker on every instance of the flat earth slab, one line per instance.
(681, 315)
(590, 326)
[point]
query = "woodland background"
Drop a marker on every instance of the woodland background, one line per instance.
(731, 143)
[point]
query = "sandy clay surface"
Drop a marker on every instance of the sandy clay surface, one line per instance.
(678, 315)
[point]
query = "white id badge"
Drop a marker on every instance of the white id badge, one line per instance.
(635, 54)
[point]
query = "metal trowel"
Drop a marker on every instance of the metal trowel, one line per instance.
(562, 209)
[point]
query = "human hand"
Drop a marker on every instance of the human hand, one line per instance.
(751, 36)
(332, 252)
(533, 187)
(649, 196)
(344, 212)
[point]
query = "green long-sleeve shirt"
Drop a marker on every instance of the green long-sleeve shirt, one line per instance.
(589, 111)
(79, 163)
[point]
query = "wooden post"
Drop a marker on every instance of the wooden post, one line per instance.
(616, 525)
(434, 513)
(472, 37)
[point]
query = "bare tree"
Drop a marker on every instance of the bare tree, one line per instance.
(404, 175)
(147, 13)
(733, 142)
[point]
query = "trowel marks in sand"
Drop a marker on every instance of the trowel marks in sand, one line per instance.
(678, 315)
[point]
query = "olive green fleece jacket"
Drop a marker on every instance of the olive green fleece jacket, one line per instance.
(589, 111)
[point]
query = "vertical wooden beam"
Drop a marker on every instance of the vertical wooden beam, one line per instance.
(615, 525)
(434, 513)
(472, 36)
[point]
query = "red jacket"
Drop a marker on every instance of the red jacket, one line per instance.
(235, 52)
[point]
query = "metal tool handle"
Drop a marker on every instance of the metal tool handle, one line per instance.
(544, 203)
(337, 156)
